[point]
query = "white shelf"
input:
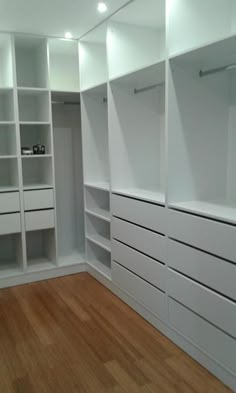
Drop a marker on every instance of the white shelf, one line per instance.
(39, 264)
(29, 123)
(99, 186)
(101, 268)
(99, 213)
(31, 90)
(11, 122)
(7, 157)
(34, 106)
(37, 156)
(218, 210)
(8, 189)
(145, 195)
(75, 258)
(100, 241)
(37, 186)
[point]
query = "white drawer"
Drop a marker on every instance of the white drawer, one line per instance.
(10, 223)
(214, 272)
(211, 340)
(143, 266)
(212, 236)
(9, 202)
(153, 299)
(142, 213)
(38, 199)
(206, 303)
(148, 242)
(43, 219)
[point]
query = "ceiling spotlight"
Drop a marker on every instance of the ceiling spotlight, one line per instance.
(102, 7)
(68, 35)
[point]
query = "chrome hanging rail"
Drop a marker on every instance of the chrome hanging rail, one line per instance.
(212, 71)
(143, 89)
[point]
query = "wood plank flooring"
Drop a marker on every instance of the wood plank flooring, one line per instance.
(71, 335)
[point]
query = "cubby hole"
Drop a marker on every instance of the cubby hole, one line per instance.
(31, 61)
(69, 179)
(64, 65)
(6, 106)
(8, 140)
(41, 249)
(95, 137)
(137, 134)
(11, 259)
(8, 175)
(37, 172)
(33, 106)
(202, 137)
(136, 37)
(99, 258)
(97, 203)
(93, 58)
(6, 69)
(98, 232)
(32, 135)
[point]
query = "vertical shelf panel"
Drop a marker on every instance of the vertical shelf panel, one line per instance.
(6, 67)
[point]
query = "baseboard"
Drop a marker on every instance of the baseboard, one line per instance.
(186, 345)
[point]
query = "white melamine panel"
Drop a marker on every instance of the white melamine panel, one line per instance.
(31, 61)
(208, 235)
(98, 231)
(95, 136)
(205, 302)
(137, 134)
(37, 172)
(6, 105)
(38, 199)
(37, 220)
(8, 174)
(99, 258)
(33, 106)
(214, 272)
(6, 69)
(11, 259)
(31, 135)
(9, 202)
(64, 65)
(68, 181)
(10, 223)
(145, 267)
(7, 140)
(142, 213)
(211, 340)
(97, 202)
(41, 249)
(148, 242)
(152, 298)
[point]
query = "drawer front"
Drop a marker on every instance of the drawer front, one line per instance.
(208, 304)
(143, 266)
(39, 220)
(148, 242)
(9, 202)
(142, 213)
(39, 199)
(214, 237)
(211, 340)
(10, 223)
(214, 272)
(153, 299)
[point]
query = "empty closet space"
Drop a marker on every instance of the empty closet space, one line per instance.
(41, 249)
(11, 258)
(97, 203)
(7, 140)
(7, 114)
(202, 131)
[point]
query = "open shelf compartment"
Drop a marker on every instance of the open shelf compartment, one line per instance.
(8, 140)
(137, 134)
(97, 203)
(6, 69)
(11, 259)
(202, 137)
(41, 249)
(37, 172)
(32, 135)
(9, 175)
(98, 232)
(6, 106)
(99, 259)
(33, 106)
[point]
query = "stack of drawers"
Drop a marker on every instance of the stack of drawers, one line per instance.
(139, 251)
(39, 209)
(10, 221)
(202, 284)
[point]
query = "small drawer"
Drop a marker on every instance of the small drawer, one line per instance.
(211, 340)
(142, 213)
(141, 239)
(151, 298)
(145, 267)
(9, 202)
(10, 223)
(214, 272)
(38, 199)
(43, 219)
(213, 307)
(208, 235)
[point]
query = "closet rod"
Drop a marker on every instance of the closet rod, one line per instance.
(143, 89)
(65, 103)
(217, 70)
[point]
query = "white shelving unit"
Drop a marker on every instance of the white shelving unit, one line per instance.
(7, 140)
(33, 106)
(99, 259)
(37, 172)
(6, 65)
(40, 249)
(137, 134)
(6, 106)
(34, 134)
(97, 203)
(9, 180)
(11, 257)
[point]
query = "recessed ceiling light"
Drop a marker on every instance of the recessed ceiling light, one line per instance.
(68, 35)
(102, 7)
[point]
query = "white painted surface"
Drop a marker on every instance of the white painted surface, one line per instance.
(10, 223)
(38, 220)
(39, 199)
(9, 202)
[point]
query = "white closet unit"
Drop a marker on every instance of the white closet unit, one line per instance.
(6, 65)
(6, 106)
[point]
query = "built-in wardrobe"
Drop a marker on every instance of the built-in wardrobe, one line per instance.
(137, 181)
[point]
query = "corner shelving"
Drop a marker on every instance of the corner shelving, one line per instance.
(98, 232)
(99, 259)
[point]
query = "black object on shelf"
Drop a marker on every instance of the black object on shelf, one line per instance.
(39, 149)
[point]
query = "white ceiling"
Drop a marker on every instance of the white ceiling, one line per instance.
(53, 17)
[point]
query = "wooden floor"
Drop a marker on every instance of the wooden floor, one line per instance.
(72, 335)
